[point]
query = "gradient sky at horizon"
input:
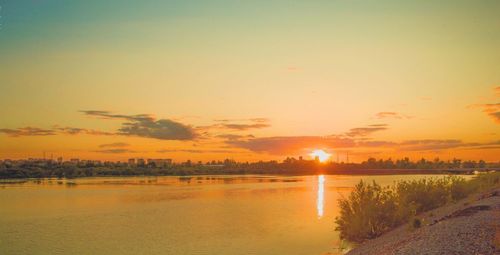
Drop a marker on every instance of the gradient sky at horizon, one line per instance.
(249, 80)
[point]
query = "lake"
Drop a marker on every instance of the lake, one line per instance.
(248, 214)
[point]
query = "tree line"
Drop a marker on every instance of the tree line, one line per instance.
(50, 169)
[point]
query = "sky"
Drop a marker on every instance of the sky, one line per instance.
(249, 80)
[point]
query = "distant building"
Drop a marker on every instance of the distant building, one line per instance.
(160, 162)
(131, 162)
(141, 162)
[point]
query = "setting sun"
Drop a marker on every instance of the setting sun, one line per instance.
(321, 154)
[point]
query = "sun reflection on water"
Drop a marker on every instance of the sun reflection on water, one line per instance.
(321, 199)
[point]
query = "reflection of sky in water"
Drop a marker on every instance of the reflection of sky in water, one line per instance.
(321, 196)
(175, 215)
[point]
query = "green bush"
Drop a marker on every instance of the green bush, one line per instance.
(424, 194)
(370, 210)
(460, 188)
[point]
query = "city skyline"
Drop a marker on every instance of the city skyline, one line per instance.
(249, 81)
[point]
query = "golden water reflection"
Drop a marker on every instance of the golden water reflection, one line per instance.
(126, 215)
(320, 202)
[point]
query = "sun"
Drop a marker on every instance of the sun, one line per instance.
(320, 154)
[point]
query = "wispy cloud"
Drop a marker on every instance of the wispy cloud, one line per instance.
(392, 115)
(238, 124)
(242, 127)
(258, 120)
(366, 131)
(115, 151)
(289, 145)
(492, 110)
(145, 125)
(196, 151)
(442, 144)
(114, 145)
(234, 136)
(430, 144)
(79, 131)
(27, 131)
(55, 130)
(293, 145)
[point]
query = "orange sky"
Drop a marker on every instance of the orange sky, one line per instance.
(249, 81)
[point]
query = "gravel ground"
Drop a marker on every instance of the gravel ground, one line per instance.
(471, 226)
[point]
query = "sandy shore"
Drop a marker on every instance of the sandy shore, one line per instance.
(471, 226)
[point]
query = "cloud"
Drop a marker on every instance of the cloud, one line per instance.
(442, 144)
(145, 125)
(232, 124)
(391, 115)
(290, 145)
(234, 136)
(115, 151)
(78, 131)
(484, 147)
(108, 115)
(114, 145)
(426, 144)
(196, 151)
(27, 131)
(294, 145)
(366, 131)
(375, 144)
(259, 120)
(242, 127)
(492, 110)
(430, 144)
(256, 120)
(162, 129)
(33, 131)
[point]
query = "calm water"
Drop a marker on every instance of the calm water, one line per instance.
(172, 215)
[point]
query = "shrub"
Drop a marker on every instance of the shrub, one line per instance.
(370, 210)
(459, 188)
(424, 194)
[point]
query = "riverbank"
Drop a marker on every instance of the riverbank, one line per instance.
(79, 172)
(470, 226)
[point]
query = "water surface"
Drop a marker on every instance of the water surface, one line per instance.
(175, 215)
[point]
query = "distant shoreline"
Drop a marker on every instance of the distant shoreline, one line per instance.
(146, 173)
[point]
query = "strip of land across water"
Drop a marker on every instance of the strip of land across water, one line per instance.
(79, 172)
(47, 168)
